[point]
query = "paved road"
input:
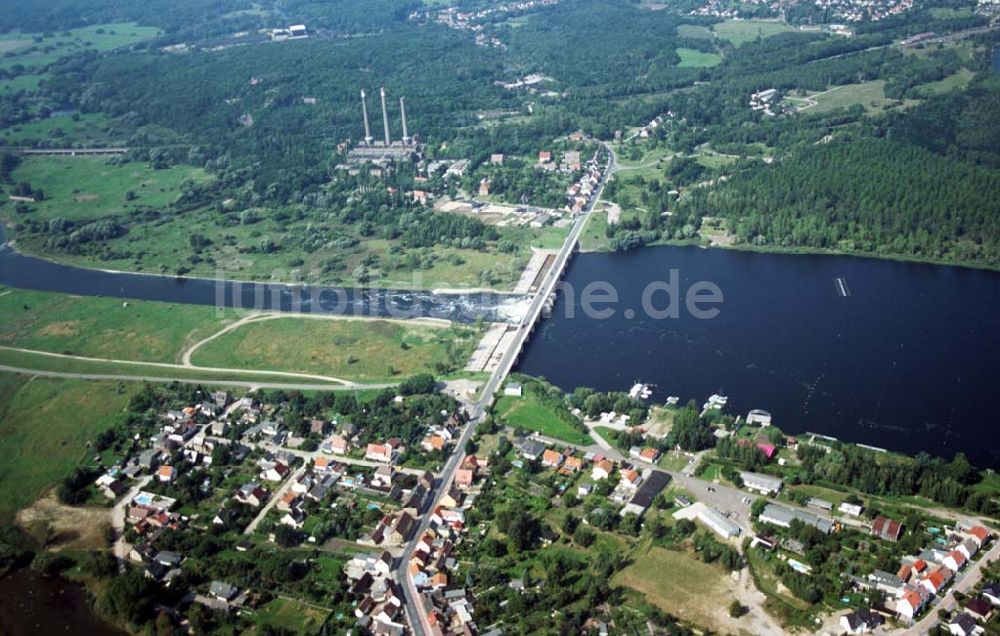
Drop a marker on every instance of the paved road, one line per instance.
(965, 581)
(214, 382)
(415, 615)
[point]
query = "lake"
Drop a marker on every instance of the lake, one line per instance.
(35, 604)
(893, 354)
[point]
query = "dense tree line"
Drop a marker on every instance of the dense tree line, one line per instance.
(866, 195)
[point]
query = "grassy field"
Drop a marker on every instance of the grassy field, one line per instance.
(363, 350)
(100, 37)
(89, 187)
(45, 425)
(530, 413)
(691, 58)
(679, 583)
(740, 31)
(871, 95)
(87, 129)
(103, 327)
(956, 81)
(35, 361)
(290, 616)
(694, 31)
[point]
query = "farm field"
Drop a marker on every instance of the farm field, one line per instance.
(52, 419)
(738, 32)
(690, 58)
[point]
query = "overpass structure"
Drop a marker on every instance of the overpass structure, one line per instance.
(415, 614)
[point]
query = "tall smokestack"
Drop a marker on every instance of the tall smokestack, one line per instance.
(364, 113)
(406, 132)
(385, 116)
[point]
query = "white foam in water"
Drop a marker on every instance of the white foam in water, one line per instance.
(514, 309)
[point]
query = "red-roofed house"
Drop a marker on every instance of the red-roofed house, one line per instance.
(166, 474)
(464, 477)
(905, 572)
(602, 469)
(573, 464)
(552, 459)
(955, 561)
(379, 453)
(919, 566)
(936, 580)
(910, 604)
(981, 535)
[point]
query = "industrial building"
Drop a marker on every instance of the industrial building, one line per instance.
(384, 150)
(651, 486)
(783, 517)
(764, 484)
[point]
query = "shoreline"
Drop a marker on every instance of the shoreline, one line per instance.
(806, 251)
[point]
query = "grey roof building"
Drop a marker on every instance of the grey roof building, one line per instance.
(783, 517)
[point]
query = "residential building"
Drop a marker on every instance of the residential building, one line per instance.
(552, 458)
(911, 602)
(980, 608)
(962, 625)
(379, 453)
(602, 469)
(860, 622)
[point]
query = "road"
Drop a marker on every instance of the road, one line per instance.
(416, 617)
(213, 382)
(275, 498)
(965, 582)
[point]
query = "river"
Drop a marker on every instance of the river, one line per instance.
(29, 272)
(34, 604)
(897, 355)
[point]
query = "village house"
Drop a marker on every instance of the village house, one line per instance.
(277, 472)
(252, 494)
(552, 458)
(379, 453)
(338, 445)
(860, 622)
(166, 474)
(383, 477)
(911, 602)
(288, 501)
(433, 443)
(602, 469)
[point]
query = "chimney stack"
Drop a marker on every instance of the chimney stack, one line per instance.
(385, 116)
(364, 113)
(406, 132)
